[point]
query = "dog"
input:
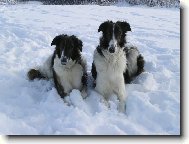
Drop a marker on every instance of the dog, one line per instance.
(66, 66)
(114, 64)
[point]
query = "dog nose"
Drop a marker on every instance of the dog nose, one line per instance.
(63, 60)
(111, 49)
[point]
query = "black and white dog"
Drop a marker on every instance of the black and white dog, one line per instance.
(66, 66)
(113, 63)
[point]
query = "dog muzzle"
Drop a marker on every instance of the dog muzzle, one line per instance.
(64, 61)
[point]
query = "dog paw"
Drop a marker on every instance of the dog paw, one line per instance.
(122, 108)
(84, 93)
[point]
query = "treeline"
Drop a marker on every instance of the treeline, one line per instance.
(79, 2)
(75, 2)
(150, 3)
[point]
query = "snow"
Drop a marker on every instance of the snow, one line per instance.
(153, 99)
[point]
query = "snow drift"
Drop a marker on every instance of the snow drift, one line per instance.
(153, 104)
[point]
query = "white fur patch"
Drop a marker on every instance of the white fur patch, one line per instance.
(132, 56)
(110, 80)
(69, 75)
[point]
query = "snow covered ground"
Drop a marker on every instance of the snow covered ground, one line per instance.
(153, 103)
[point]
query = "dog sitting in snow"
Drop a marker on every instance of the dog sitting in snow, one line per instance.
(66, 66)
(113, 63)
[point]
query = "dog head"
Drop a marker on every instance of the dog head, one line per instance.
(68, 48)
(113, 35)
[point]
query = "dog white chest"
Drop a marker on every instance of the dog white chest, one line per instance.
(110, 69)
(69, 75)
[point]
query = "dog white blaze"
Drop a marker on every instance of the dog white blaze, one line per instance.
(113, 42)
(62, 55)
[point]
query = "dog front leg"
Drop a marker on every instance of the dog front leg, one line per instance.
(122, 100)
(58, 86)
(122, 104)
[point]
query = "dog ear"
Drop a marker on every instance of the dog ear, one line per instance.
(124, 26)
(56, 40)
(103, 26)
(77, 42)
(80, 45)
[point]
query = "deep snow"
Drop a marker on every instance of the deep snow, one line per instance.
(153, 103)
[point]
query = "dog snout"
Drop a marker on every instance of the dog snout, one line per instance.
(64, 60)
(112, 49)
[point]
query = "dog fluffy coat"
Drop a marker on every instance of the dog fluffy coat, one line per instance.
(113, 63)
(110, 78)
(66, 66)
